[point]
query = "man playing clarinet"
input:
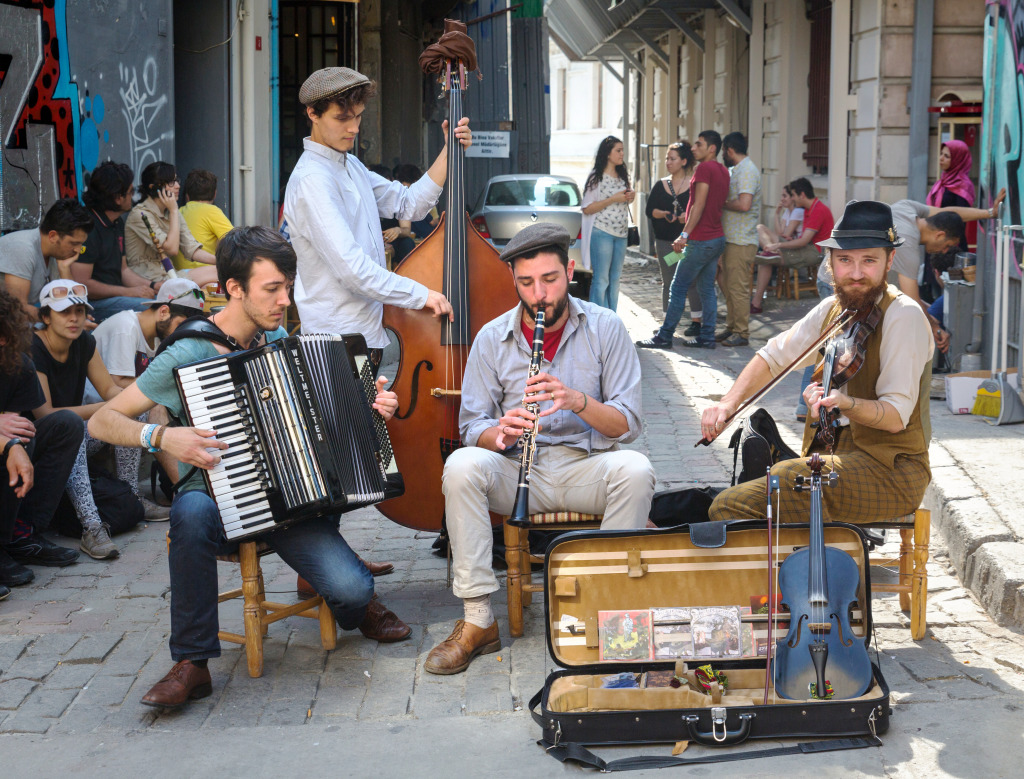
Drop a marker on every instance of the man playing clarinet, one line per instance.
(882, 426)
(256, 268)
(588, 391)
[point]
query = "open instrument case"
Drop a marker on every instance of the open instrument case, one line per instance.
(713, 564)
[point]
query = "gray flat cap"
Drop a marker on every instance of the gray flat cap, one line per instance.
(329, 82)
(533, 238)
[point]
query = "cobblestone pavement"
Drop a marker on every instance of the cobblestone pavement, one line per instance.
(81, 645)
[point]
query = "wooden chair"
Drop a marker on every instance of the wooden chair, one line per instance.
(519, 576)
(912, 585)
(259, 613)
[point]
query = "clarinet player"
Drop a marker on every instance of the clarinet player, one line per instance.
(588, 392)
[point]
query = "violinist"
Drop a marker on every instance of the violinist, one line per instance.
(882, 427)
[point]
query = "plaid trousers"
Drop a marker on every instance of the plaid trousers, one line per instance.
(867, 491)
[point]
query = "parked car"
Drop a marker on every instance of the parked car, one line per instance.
(511, 202)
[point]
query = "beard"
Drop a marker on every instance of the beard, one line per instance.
(163, 329)
(860, 297)
(552, 311)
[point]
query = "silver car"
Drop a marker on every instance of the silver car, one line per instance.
(511, 202)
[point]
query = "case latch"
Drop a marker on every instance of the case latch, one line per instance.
(636, 568)
(718, 719)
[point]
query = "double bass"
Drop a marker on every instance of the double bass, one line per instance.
(456, 261)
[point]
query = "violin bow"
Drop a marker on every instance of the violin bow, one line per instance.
(840, 323)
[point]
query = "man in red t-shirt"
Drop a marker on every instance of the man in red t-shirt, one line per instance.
(702, 242)
(797, 252)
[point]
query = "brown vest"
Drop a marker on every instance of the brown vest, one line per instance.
(883, 446)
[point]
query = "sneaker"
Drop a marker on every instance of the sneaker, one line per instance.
(97, 544)
(13, 574)
(735, 340)
(721, 335)
(154, 511)
(33, 549)
(696, 343)
(692, 330)
(766, 255)
(654, 342)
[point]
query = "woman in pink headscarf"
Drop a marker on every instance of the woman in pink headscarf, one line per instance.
(954, 187)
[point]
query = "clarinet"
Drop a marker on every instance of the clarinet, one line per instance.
(521, 507)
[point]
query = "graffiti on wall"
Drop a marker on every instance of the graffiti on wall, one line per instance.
(38, 112)
(78, 85)
(1003, 128)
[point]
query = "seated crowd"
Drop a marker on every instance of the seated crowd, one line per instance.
(85, 300)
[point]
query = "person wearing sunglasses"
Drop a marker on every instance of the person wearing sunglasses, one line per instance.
(30, 258)
(166, 234)
(65, 356)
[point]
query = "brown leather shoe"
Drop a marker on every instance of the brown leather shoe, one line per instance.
(454, 654)
(381, 624)
(305, 590)
(183, 682)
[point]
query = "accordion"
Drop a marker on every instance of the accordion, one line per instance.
(302, 438)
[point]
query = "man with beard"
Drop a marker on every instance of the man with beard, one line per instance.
(256, 268)
(881, 449)
(588, 389)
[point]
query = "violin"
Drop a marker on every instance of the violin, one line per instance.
(844, 356)
(819, 658)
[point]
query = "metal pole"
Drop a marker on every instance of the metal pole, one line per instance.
(920, 98)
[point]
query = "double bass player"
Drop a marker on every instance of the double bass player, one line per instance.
(588, 391)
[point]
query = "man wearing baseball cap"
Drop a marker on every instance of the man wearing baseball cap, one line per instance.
(588, 389)
(128, 340)
(333, 207)
(879, 418)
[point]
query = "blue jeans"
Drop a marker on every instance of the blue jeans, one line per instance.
(699, 265)
(607, 253)
(107, 307)
(312, 547)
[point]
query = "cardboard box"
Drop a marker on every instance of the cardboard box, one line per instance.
(962, 388)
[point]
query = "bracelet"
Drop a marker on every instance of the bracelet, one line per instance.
(152, 285)
(684, 235)
(147, 435)
(158, 438)
(584, 405)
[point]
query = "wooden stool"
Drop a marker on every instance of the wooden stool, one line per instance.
(915, 530)
(259, 612)
(788, 282)
(519, 576)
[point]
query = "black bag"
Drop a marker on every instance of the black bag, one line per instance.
(119, 507)
(757, 446)
(682, 507)
(632, 236)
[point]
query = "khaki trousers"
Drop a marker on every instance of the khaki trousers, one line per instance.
(737, 279)
(618, 484)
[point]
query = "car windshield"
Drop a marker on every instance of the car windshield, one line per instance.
(535, 192)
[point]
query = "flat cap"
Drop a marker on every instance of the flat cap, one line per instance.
(329, 82)
(533, 238)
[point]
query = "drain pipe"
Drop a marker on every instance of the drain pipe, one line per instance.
(971, 361)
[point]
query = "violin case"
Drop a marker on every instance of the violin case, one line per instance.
(707, 564)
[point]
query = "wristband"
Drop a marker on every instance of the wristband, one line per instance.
(584, 405)
(158, 438)
(12, 443)
(146, 436)
(152, 285)
(684, 235)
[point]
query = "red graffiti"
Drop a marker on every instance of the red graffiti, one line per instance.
(43, 108)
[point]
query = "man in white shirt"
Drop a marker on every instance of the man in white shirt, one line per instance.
(333, 207)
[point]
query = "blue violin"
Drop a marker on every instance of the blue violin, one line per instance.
(819, 658)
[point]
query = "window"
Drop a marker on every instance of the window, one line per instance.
(534, 192)
(819, 12)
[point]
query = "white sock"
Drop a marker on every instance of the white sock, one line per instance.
(696, 315)
(478, 611)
